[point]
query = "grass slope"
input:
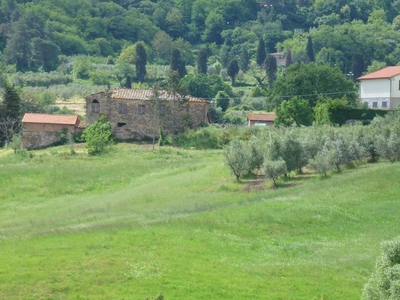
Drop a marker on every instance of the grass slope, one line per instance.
(134, 223)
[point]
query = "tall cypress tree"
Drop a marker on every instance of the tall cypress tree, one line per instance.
(233, 70)
(140, 62)
(310, 49)
(224, 54)
(11, 102)
(202, 57)
(288, 60)
(261, 52)
(177, 63)
(244, 60)
(271, 69)
(357, 64)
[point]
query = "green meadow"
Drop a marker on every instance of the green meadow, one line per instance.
(134, 223)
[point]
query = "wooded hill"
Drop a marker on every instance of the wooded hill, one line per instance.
(56, 50)
(349, 34)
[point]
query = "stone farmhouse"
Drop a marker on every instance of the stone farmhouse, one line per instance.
(381, 89)
(41, 130)
(136, 113)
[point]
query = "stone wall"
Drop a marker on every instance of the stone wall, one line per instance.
(41, 135)
(134, 119)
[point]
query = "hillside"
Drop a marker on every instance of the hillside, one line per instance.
(351, 35)
(133, 223)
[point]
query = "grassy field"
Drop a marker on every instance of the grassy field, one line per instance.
(135, 223)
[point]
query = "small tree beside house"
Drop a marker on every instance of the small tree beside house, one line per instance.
(97, 135)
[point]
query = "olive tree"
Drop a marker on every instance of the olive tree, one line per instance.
(274, 168)
(336, 145)
(285, 145)
(388, 147)
(322, 162)
(255, 154)
(237, 158)
(384, 282)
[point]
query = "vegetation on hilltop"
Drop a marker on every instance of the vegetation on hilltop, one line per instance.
(35, 35)
(53, 50)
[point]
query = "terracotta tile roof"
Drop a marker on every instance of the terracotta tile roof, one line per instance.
(50, 119)
(387, 72)
(146, 94)
(269, 117)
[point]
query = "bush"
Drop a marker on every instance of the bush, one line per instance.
(384, 283)
(97, 135)
(211, 137)
(236, 117)
(16, 143)
(215, 113)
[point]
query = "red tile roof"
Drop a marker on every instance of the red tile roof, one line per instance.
(146, 94)
(270, 117)
(50, 119)
(387, 72)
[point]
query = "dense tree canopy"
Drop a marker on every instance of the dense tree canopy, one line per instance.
(31, 31)
(308, 81)
(124, 42)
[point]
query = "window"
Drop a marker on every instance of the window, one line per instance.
(374, 104)
(95, 106)
(399, 84)
(142, 109)
(121, 124)
(123, 108)
(384, 104)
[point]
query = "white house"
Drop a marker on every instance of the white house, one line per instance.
(381, 89)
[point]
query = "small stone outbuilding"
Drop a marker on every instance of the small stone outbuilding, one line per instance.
(261, 119)
(136, 113)
(41, 130)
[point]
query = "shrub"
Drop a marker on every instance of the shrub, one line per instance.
(215, 113)
(162, 140)
(97, 135)
(16, 143)
(384, 283)
(211, 137)
(222, 99)
(236, 117)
